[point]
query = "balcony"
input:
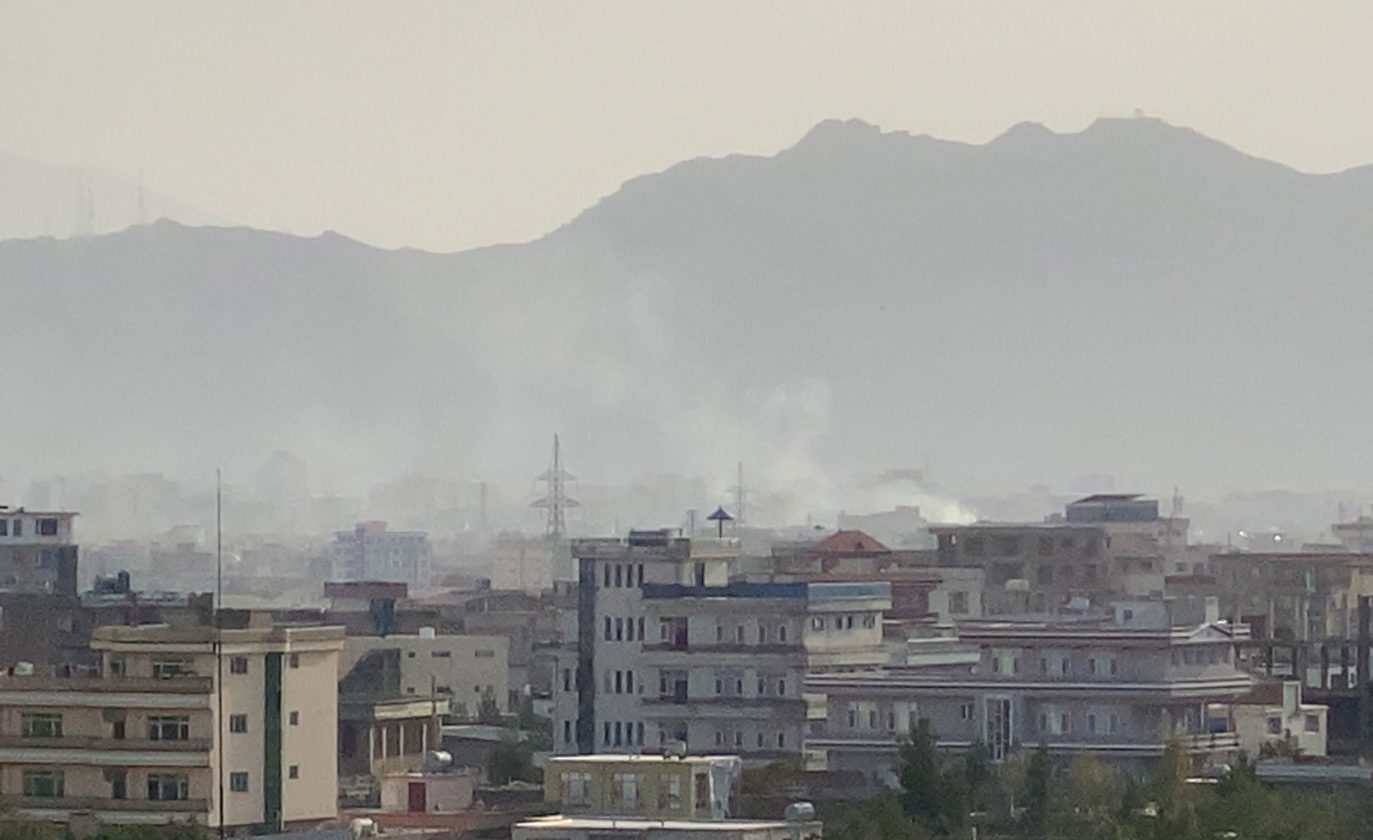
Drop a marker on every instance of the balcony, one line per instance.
(104, 743)
(723, 701)
(90, 803)
(685, 646)
(172, 685)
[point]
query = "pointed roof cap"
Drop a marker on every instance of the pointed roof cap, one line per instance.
(720, 515)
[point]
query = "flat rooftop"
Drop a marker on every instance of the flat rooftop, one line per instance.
(643, 824)
(626, 758)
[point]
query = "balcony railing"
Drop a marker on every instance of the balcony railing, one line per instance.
(104, 742)
(90, 803)
(721, 700)
(170, 685)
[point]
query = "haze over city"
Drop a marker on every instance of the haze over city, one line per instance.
(755, 421)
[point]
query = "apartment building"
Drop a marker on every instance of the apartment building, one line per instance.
(38, 554)
(467, 670)
(668, 648)
(1116, 686)
(370, 552)
(1274, 715)
(145, 740)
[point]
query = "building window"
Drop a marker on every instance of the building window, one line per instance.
(42, 725)
(869, 621)
(1115, 666)
(1091, 664)
(671, 787)
(295, 718)
(606, 582)
(238, 723)
(817, 623)
(719, 737)
(762, 634)
(18, 527)
(293, 661)
(567, 732)
(173, 786)
(609, 629)
(238, 782)
(965, 711)
(640, 622)
(576, 788)
(1275, 726)
(45, 783)
(641, 574)
(619, 629)
(605, 733)
(440, 654)
(958, 603)
(782, 633)
(293, 772)
(47, 527)
(567, 679)
(4, 527)
(166, 669)
(169, 728)
(739, 634)
(626, 790)
(1313, 723)
(238, 665)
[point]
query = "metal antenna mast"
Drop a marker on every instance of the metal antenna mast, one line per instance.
(740, 505)
(556, 502)
(219, 641)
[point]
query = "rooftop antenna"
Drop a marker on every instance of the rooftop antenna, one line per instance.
(556, 502)
(739, 495)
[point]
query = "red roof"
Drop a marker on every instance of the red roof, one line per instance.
(855, 543)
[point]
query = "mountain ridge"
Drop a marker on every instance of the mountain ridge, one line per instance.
(1134, 298)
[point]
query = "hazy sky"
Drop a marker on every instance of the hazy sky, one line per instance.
(450, 125)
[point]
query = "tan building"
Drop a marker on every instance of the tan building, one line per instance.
(1274, 715)
(146, 740)
(464, 669)
(650, 796)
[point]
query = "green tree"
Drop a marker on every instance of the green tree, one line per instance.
(489, 712)
(881, 818)
(925, 793)
(1036, 793)
(17, 828)
(511, 761)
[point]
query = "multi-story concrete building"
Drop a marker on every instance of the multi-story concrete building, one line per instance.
(667, 648)
(369, 552)
(1273, 715)
(1303, 596)
(37, 552)
(146, 740)
(467, 670)
(1032, 566)
(1118, 687)
(1103, 548)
